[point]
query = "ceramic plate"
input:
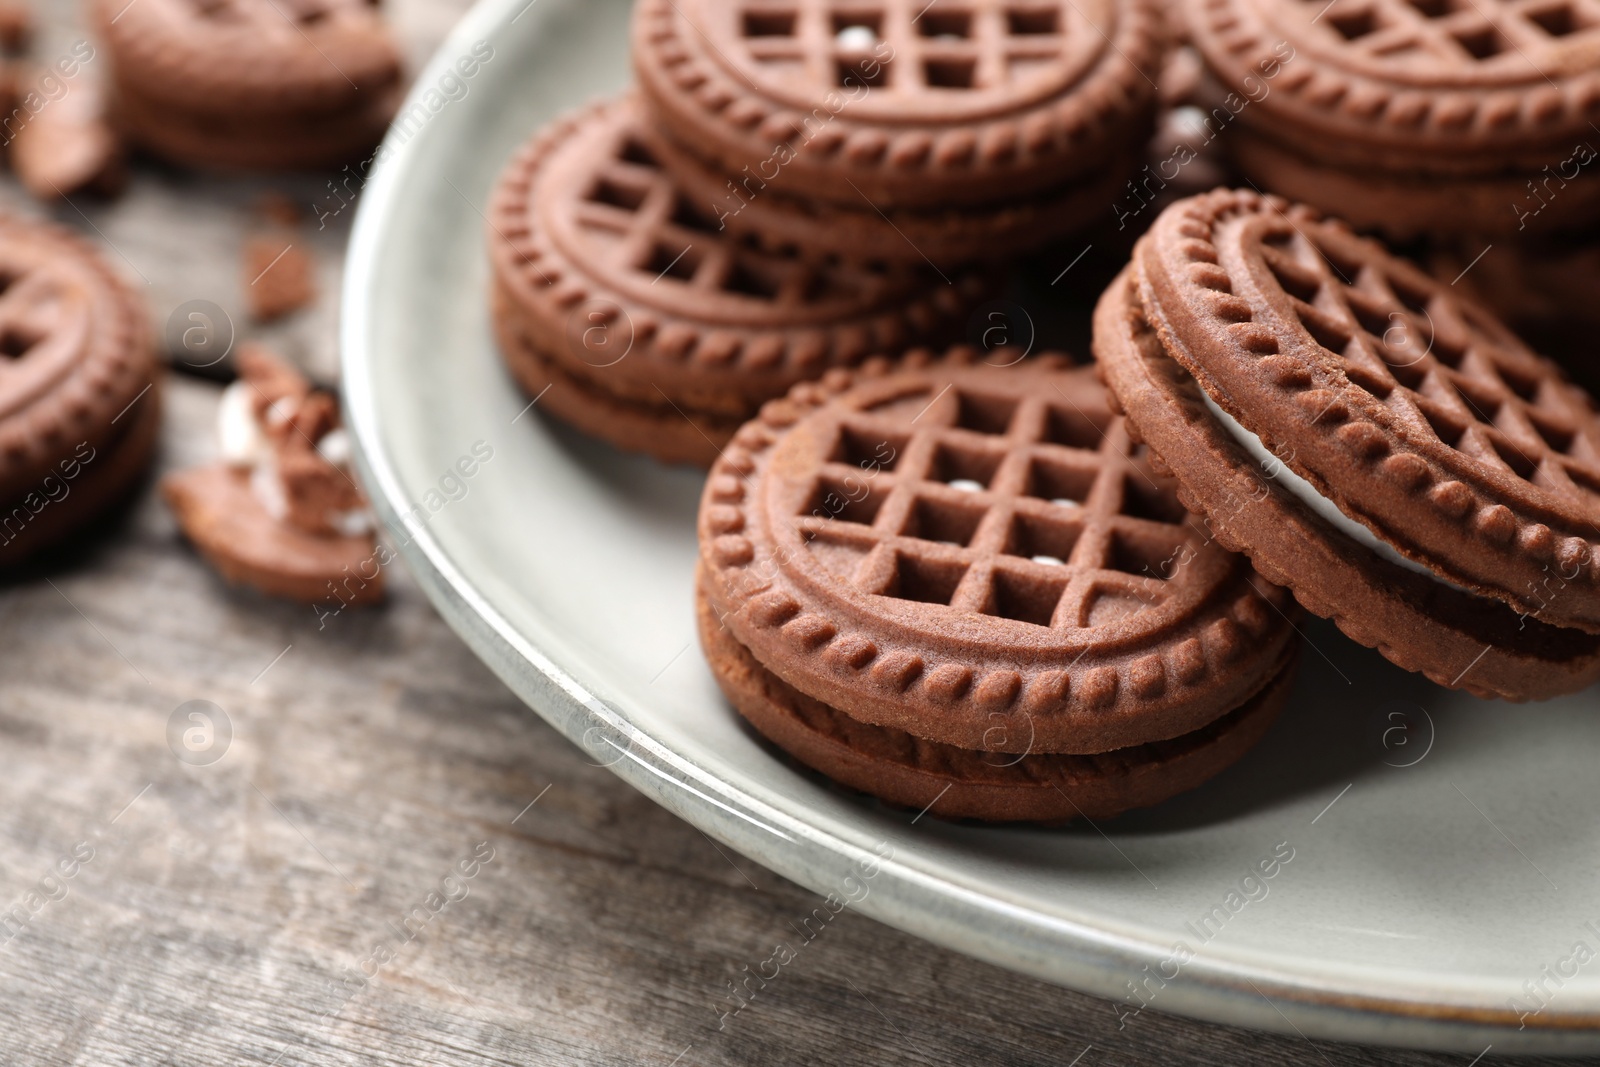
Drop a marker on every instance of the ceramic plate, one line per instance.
(1433, 858)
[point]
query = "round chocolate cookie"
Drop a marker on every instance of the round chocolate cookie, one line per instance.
(902, 105)
(957, 783)
(978, 555)
(1391, 453)
(85, 485)
(250, 83)
(1488, 106)
(79, 395)
(608, 277)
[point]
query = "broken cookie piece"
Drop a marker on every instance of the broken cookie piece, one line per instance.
(279, 276)
(280, 511)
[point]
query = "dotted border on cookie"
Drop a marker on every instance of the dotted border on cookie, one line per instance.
(534, 269)
(119, 362)
(1393, 458)
(1105, 102)
(1104, 691)
(1236, 41)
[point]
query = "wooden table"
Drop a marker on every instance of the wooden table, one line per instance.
(264, 908)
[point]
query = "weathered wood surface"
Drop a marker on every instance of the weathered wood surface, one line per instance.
(222, 914)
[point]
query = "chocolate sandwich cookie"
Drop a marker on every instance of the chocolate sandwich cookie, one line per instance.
(895, 105)
(79, 394)
(652, 327)
(1388, 451)
(281, 511)
(950, 560)
(1413, 116)
(760, 208)
(910, 772)
(260, 84)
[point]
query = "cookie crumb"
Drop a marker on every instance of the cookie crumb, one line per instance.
(278, 276)
(276, 209)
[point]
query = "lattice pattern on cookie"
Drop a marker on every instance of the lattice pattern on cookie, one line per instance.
(905, 45)
(1432, 361)
(74, 350)
(646, 225)
(1455, 31)
(32, 309)
(1031, 510)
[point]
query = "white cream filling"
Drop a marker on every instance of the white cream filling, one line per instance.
(267, 484)
(243, 441)
(281, 411)
(1189, 121)
(238, 430)
(335, 448)
(1307, 494)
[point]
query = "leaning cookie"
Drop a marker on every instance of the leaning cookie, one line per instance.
(1388, 451)
(250, 83)
(625, 308)
(952, 572)
(79, 389)
(280, 512)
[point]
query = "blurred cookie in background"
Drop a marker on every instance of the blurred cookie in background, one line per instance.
(67, 146)
(250, 84)
(1548, 290)
(79, 388)
(1414, 118)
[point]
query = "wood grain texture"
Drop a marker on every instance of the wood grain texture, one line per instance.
(224, 912)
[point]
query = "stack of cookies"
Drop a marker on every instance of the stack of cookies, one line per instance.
(963, 588)
(1011, 593)
(1002, 588)
(251, 84)
(1415, 116)
(798, 185)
